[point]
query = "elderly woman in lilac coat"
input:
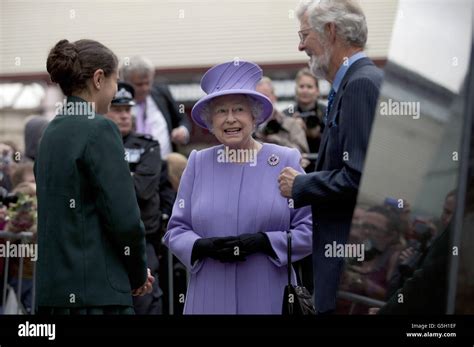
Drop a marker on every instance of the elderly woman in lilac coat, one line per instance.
(229, 223)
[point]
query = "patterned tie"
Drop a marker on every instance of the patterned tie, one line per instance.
(331, 96)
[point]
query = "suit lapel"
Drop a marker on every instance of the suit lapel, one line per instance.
(335, 106)
(162, 106)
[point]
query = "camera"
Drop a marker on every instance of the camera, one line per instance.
(311, 118)
(7, 198)
(423, 235)
(272, 127)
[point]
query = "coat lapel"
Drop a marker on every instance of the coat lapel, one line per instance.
(335, 106)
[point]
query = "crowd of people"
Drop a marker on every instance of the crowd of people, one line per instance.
(396, 245)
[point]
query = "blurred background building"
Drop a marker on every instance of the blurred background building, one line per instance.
(182, 38)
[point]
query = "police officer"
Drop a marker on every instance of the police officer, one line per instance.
(143, 156)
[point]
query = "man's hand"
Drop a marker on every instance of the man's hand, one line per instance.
(179, 135)
(147, 287)
(286, 181)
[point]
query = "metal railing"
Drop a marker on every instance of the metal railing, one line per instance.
(27, 236)
(359, 299)
(23, 237)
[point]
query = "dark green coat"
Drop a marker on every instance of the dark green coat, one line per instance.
(91, 239)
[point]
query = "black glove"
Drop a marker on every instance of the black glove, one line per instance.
(254, 243)
(219, 248)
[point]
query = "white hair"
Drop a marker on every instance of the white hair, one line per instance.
(347, 15)
(136, 65)
(268, 81)
(256, 109)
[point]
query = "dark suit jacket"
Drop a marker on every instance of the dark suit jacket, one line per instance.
(145, 163)
(332, 189)
(91, 239)
(425, 292)
(160, 93)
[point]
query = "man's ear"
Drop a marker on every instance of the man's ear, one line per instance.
(98, 79)
(331, 32)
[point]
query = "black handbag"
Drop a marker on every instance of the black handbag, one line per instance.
(297, 300)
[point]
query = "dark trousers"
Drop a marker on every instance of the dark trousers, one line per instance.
(150, 303)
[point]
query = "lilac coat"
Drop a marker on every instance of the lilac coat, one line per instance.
(228, 199)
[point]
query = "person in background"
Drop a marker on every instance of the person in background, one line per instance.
(370, 277)
(7, 164)
(34, 129)
(156, 112)
(91, 241)
(357, 234)
(144, 159)
(23, 172)
(449, 207)
(280, 130)
(307, 110)
(176, 165)
(9, 156)
(425, 292)
(23, 217)
(425, 232)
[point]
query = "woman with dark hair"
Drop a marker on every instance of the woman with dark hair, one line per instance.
(91, 256)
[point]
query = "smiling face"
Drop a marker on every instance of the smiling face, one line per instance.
(232, 121)
(307, 91)
(317, 49)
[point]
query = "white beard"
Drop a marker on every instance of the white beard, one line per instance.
(319, 66)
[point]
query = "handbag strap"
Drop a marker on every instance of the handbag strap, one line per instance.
(289, 256)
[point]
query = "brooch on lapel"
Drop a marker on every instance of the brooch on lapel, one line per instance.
(273, 160)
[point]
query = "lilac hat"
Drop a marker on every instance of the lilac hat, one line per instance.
(235, 77)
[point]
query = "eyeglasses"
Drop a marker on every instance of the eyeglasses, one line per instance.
(302, 34)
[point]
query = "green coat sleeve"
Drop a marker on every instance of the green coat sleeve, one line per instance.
(116, 200)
